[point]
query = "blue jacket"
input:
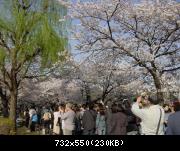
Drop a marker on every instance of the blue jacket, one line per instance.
(173, 126)
(34, 118)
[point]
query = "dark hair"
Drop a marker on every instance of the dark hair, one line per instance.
(83, 106)
(26, 109)
(56, 108)
(101, 109)
(169, 110)
(62, 106)
(164, 105)
(91, 106)
(32, 107)
(117, 107)
(176, 106)
(153, 100)
(96, 105)
(134, 99)
(126, 104)
(76, 108)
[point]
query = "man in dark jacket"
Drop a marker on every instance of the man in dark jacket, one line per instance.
(173, 125)
(89, 121)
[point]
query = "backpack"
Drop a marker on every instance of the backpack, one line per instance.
(47, 116)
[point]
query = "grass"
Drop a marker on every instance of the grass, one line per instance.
(24, 131)
(6, 126)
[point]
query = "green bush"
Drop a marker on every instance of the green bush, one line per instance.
(6, 126)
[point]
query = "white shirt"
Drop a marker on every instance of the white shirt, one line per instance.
(56, 116)
(149, 119)
(32, 112)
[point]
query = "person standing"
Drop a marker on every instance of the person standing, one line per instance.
(47, 121)
(62, 111)
(118, 120)
(82, 110)
(168, 112)
(89, 121)
(27, 117)
(32, 112)
(132, 128)
(34, 121)
(108, 115)
(173, 124)
(56, 125)
(77, 120)
(151, 115)
(100, 121)
(69, 120)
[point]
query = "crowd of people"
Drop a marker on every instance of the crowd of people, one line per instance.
(142, 117)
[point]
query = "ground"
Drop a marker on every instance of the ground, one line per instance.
(25, 131)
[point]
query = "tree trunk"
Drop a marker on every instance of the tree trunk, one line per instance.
(157, 82)
(106, 93)
(13, 100)
(103, 97)
(88, 93)
(158, 86)
(13, 106)
(159, 92)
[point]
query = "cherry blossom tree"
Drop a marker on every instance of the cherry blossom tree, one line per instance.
(100, 79)
(144, 34)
